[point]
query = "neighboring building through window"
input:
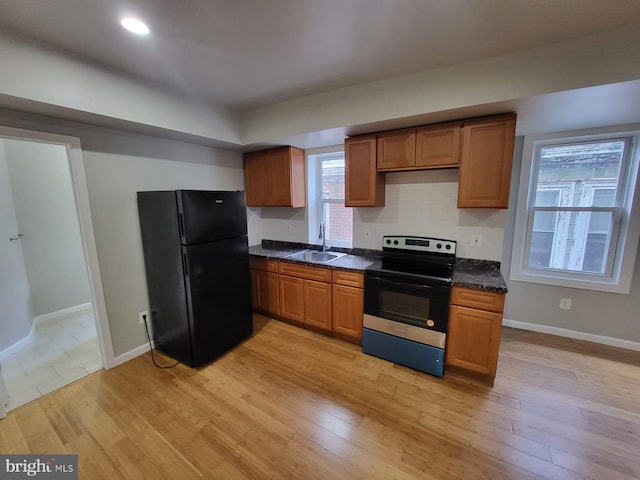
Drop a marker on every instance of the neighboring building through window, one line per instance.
(573, 223)
(337, 218)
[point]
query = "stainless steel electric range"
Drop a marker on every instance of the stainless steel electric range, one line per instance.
(406, 302)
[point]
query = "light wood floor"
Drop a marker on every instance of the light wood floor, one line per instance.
(289, 403)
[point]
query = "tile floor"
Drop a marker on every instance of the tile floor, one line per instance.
(63, 350)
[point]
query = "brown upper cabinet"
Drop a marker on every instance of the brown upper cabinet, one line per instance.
(438, 146)
(485, 162)
(435, 146)
(364, 185)
(275, 178)
(396, 150)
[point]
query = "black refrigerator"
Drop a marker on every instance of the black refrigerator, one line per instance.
(196, 257)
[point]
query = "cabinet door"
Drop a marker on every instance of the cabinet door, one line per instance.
(473, 339)
(485, 163)
(348, 305)
(396, 150)
(438, 146)
(364, 185)
(291, 298)
(254, 179)
(275, 178)
(317, 304)
(265, 291)
(278, 178)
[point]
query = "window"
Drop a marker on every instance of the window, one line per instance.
(337, 218)
(573, 220)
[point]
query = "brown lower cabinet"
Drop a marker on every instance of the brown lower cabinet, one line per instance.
(331, 301)
(348, 305)
(291, 298)
(475, 325)
(317, 304)
(264, 286)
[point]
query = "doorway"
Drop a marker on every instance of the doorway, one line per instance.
(68, 335)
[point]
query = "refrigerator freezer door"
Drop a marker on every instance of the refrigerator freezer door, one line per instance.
(209, 216)
(219, 297)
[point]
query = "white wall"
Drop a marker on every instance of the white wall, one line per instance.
(117, 165)
(15, 299)
(47, 216)
(598, 313)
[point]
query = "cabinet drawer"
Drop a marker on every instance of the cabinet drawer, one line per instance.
(264, 264)
(480, 299)
(349, 279)
(302, 271)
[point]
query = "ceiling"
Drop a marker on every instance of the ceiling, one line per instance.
(245, 54)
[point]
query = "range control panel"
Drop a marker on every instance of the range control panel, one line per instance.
(419, 244)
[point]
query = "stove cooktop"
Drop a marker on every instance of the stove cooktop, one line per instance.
(420, 257)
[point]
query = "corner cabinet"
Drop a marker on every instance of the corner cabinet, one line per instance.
(364, 185)
(485, 162)
(475, 325)
(275, 178)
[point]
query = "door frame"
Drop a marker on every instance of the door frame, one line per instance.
(83, 210)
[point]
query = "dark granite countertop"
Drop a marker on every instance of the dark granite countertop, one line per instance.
(479, 275)
(468, 272)
(356, 259)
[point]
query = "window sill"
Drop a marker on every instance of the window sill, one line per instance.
(607, 285)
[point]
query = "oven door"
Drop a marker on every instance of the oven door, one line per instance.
(409, 301)
(405, 321)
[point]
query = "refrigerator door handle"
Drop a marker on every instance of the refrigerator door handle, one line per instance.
(185, 265)
(181, 226)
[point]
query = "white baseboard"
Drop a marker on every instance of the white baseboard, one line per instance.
(131, 354)
(10, 350)
(7, 352)
(564, 332)
(62, 313)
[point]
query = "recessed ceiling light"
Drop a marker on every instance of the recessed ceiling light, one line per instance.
(135, 26)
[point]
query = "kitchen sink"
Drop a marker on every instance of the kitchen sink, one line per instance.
(315, 256)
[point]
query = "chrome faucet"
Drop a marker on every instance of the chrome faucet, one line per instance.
(323, 237)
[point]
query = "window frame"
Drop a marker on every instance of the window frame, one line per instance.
(320, 202)
(625, 231)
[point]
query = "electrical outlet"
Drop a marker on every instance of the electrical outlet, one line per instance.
(565, 304)
(142, 316)
(367, 233)
(476, 240)
(288, 226)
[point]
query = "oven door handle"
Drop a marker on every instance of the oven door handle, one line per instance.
(403, 285)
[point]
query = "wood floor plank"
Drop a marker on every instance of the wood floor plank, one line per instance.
(37, 431)
(12, 440)
(291, 404)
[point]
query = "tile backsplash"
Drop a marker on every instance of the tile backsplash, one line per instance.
(424, 203)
